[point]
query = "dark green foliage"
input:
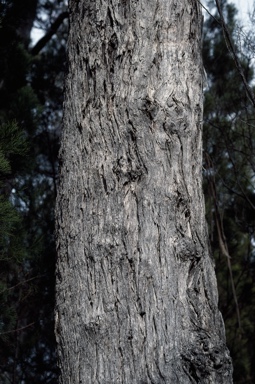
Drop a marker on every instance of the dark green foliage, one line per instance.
(31, 95)
(229, 145)
(12, 147)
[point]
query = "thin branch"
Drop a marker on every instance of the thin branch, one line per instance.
(21, 283)
(232, 50)
(209, 13)
(236, 172)
(222, 238)
(53, 29)
(17, 330)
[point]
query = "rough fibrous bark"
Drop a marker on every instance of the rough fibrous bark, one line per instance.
(136, 298)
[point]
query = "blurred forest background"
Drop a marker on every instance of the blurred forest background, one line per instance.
(31, 97)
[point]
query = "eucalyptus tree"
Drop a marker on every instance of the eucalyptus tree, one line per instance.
(136, 296)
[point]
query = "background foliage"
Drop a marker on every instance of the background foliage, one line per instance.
(31, 96)
(229, 170)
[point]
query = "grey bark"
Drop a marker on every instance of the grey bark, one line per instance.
(136, 296)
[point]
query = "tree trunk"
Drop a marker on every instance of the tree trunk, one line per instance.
(136, 298)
